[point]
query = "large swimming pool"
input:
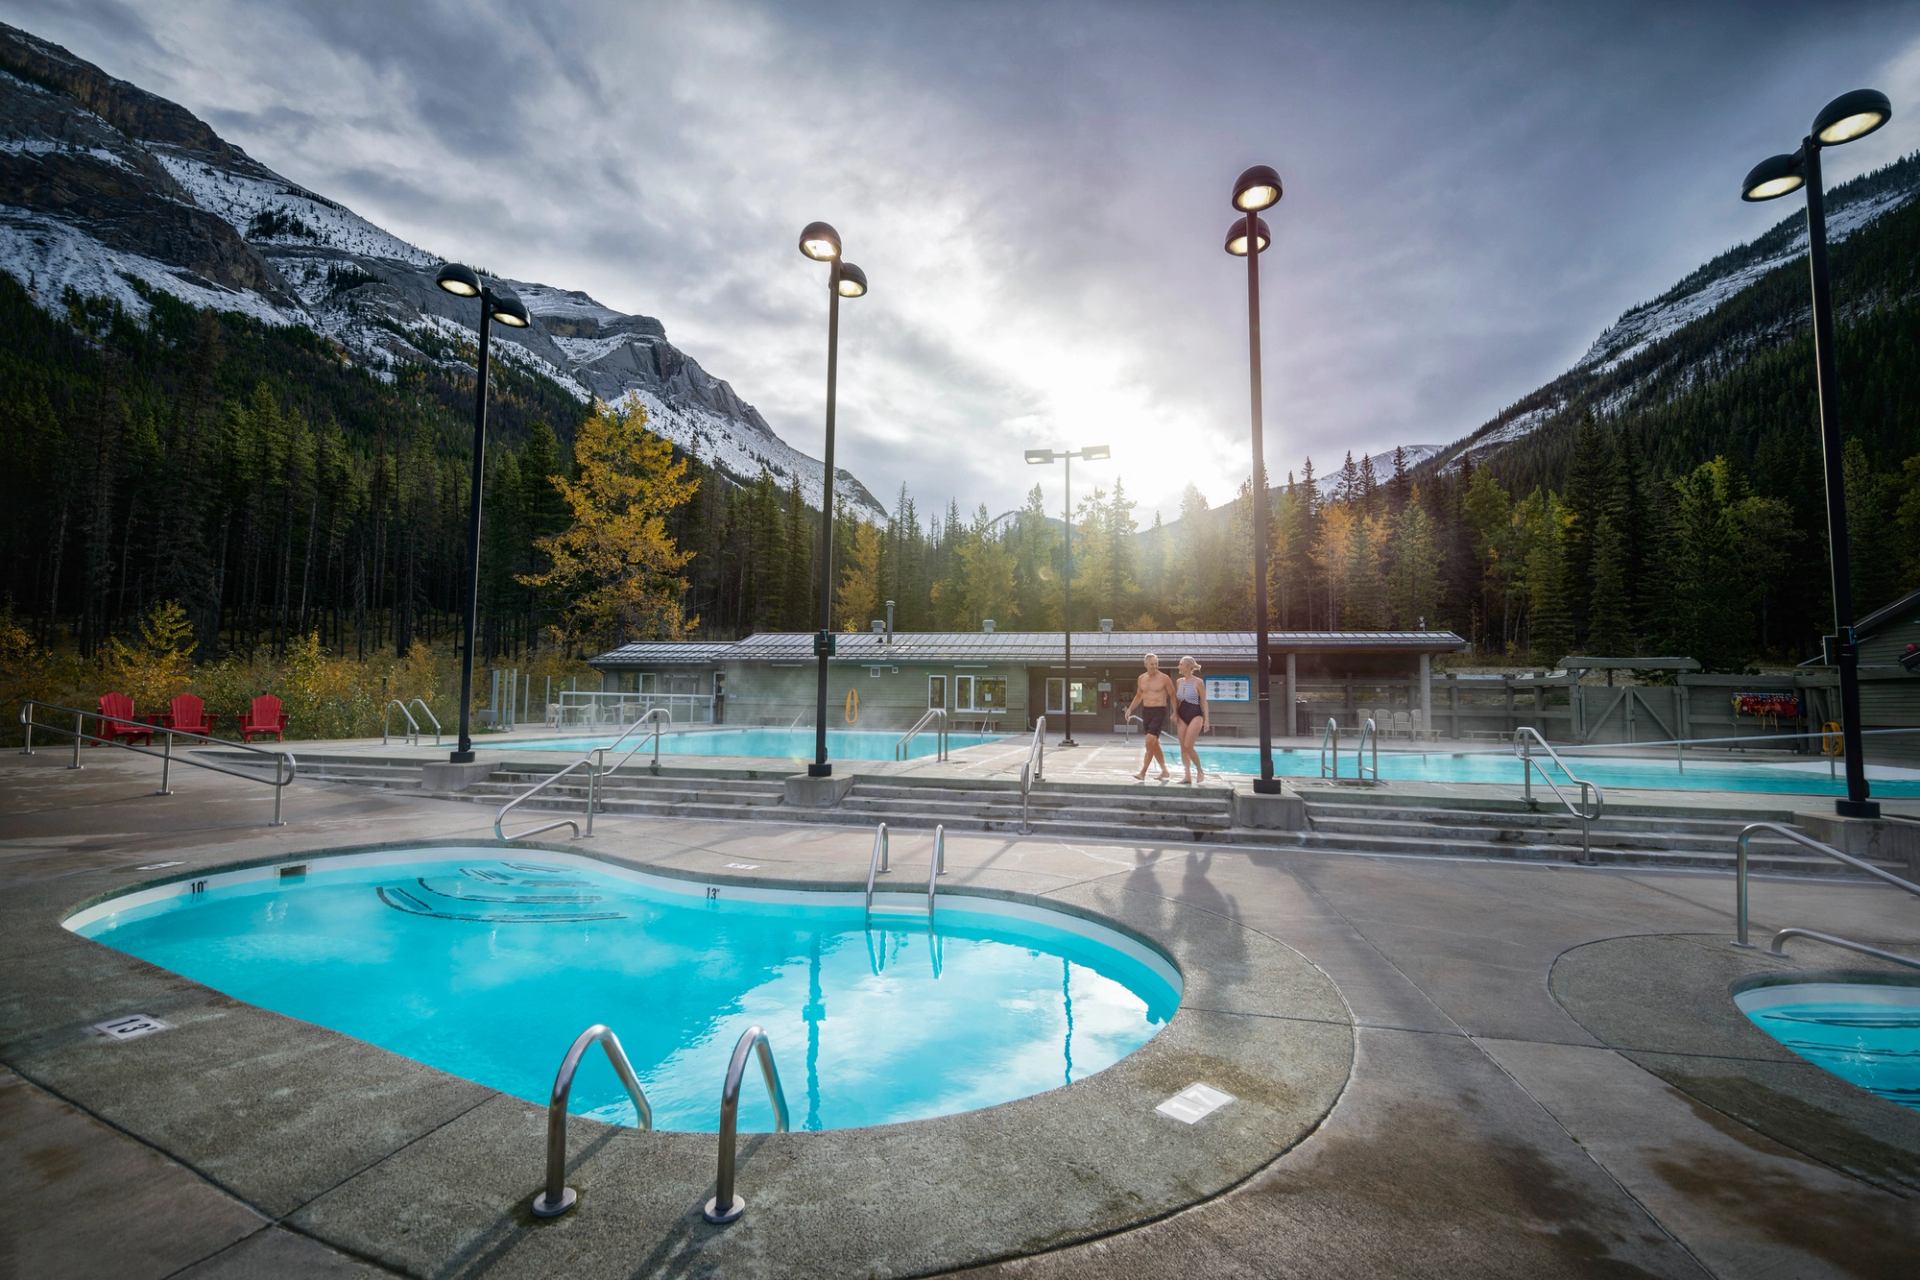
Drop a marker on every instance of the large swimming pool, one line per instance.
(1795, 777)
(1865, 1033)
(778, 744)
(488, 962)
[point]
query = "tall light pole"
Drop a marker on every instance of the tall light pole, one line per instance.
(1258, 188)
(1037, 457)
(1849, 116)
(844, 280)
(465, 282)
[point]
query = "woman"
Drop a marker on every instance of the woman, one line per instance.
(1190, 698)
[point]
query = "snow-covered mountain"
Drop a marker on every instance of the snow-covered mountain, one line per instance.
(1638, 356)
(111, 191)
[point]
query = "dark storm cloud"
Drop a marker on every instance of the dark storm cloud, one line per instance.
(1039, 192)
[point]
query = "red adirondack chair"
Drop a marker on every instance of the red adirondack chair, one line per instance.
(117, 722)
(264, 717)
(188, 714)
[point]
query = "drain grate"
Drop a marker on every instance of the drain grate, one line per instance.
(158, 866)
(131, 1026)
(1194, 1103)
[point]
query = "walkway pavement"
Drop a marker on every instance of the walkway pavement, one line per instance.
(1485, 1130)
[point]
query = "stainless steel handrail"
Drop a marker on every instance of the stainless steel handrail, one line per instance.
(1034, 770)
(933, 715)
(432, 719)
(386, 723)
(596, 758)
(285, 767)
(659, 716)
(1330, 736)
(1780, 938)
(938, 867)
(876, 862)
(726, 1206)
(1523, 738)
(1680, 745)
(558, 1197)
(1369, 733)
(1753, 829)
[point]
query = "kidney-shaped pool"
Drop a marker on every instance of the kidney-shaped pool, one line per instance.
(487, 962)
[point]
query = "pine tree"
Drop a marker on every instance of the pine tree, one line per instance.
(857, 599)
(1414, 557)
(1610, 620)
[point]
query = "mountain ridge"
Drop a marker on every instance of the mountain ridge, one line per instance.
(109, 189)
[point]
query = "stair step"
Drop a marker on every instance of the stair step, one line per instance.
(1535, 834)
(1387, 796)
(891, 810)
(1697, 857)
(1544, 818)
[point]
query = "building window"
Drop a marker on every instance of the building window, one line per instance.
(936, 691)
(980, 693)
(1084, 699)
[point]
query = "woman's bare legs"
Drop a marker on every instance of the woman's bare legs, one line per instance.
(1189, 730)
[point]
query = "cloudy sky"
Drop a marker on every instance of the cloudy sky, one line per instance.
(1039, 191)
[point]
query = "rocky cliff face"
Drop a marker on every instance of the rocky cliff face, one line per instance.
(110, 190)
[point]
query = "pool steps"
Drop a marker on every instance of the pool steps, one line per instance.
(1340, 819)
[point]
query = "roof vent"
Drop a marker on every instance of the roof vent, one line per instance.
(1106, 624)
(879, 626)
(986, 625)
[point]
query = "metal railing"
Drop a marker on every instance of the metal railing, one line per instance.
(595, 761)
(1780, 938)
(1330, 747)
(1524, 737)
(1369, 734)
(1805, 841)
(558, 1197)
(1680, 745)
(877, 862)
(936, 868)
(726, 1206)
(412, 735)
(285, 766)
(1033, 770)
(934, 715)
(588, 709)
(432, 719)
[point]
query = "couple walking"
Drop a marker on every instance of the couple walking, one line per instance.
(1154, 692)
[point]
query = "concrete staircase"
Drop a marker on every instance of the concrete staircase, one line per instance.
(1365, 820)
(1089, 811)
(636, 792)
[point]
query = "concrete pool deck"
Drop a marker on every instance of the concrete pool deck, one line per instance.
(1501, 1117)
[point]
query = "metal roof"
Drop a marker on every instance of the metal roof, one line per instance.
(1024, 647)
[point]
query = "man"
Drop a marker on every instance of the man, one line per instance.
(1153, 694)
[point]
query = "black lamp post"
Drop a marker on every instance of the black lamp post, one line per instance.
(844, 280)
(1849, 116)
(1036, 457)
(465, 282)
(1258, 188)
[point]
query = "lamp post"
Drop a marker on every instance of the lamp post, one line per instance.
(1849, 116)
(844, 280)
(465, 282)
(1037, 457)
(1258, 188)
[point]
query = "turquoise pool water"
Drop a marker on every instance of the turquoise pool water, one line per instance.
(780, 744)
(487, 963)
(1808, 778)
(1865, 1033)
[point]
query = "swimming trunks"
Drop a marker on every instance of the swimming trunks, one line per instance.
(1189, 712)
(1153, 720)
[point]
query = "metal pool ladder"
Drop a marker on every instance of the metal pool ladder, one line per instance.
(558, 1197)
(726, 1206)
(877, 863)
(1369, 735)
(1778, 945)
(1330, 748)
(935, 716)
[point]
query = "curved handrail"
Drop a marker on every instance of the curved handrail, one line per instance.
(1780, 938)
(386, 722)
(286, 767)
(1524, 737)
(876, 862)
(933, 715)
(1330, 737)
(725, 1206)
(1034, 770)
(659, 716)
(593, 774)
(558, 1197)
(1369, 733)
(938, 867)
(432, 719)
(1806, 841)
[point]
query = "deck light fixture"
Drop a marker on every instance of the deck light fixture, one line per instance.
(464, 282)
(1043, 457)
(1256, 189)
(1847, 117)
(821, 242)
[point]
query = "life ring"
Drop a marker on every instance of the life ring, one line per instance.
(1831, 743)
(853, 706)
